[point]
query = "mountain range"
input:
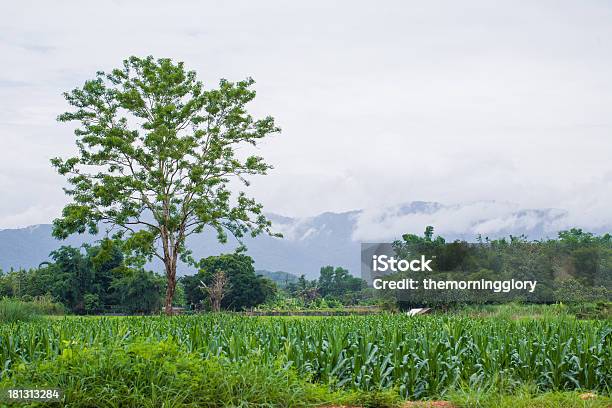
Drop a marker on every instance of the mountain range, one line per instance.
(329, 238)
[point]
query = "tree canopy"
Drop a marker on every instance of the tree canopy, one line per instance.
(156, 152)
(90, 279)
(245, 288)
(572, 268)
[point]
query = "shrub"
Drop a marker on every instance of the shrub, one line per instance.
(14, 310)
(47, 306)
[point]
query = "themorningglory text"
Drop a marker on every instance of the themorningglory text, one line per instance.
(430, 284)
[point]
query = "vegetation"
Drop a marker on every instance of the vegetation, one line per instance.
(600, 310)
(335, 287)
(144, 373)
(281, 278)
(480, 355)
(13, 310)
(574, 268)
(100, 278)
(93, 279)
(415, 358)
(338, 282)
(155, 153)
(245, 289)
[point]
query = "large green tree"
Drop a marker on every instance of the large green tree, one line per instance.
(245, 288)
(155, 154)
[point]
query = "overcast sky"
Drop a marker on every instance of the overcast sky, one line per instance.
(380, 102)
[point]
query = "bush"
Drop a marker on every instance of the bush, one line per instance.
(47, 306)
(599, 310)
(12, 310)
(573, 291)
(15, 310)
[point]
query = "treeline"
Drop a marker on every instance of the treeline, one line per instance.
(334, 288)
(574, 267)
(99, 278)
(90, 279)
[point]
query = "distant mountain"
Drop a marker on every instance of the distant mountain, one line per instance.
(329, 238)
(28, 247)
(281, 278)
(307, 245)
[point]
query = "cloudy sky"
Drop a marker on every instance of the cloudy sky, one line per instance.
(380, 102)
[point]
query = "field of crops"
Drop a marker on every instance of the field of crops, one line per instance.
(419, 357)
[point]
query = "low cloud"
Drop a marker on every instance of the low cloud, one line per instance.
(488, 219)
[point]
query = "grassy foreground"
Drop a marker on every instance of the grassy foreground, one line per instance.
(231, 360)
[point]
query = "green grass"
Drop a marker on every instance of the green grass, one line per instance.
(15, 310)
(601, 310)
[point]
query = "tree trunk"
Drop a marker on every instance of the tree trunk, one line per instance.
(171, 250)
(170, 286)
(216, 305)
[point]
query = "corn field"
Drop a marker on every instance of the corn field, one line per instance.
(419, 357)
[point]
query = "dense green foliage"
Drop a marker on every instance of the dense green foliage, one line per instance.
(156, 152)
(93, 279)
(600, 310)
(416, 357)
(245, 288)
(576, 267)
(338, 282)
(156, 374)
(137, 291)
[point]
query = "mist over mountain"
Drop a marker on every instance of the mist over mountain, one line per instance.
(329, 238)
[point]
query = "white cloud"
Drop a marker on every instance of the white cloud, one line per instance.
(488, 219)
(434, 101)
(39, 214)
